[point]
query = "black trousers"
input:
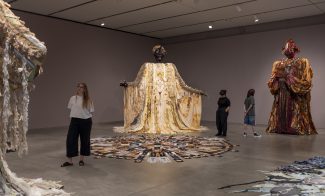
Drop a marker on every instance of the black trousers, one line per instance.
(221, 121)
(79, 127)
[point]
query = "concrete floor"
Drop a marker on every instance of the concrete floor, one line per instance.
(193, 177)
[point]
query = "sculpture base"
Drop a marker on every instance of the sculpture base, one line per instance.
(158, 148)
(123, 130)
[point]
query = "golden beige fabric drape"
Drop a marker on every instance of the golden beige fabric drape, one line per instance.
(159, 101)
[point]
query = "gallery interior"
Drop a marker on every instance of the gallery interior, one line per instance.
(183, 97)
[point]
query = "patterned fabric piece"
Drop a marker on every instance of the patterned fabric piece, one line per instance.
(301, 178)
(158, 148)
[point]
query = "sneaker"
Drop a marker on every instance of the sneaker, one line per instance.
(245, 134)
(257, 135)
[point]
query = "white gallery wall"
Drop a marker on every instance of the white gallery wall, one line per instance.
(81, 53)
(102, 58)
(238, 63)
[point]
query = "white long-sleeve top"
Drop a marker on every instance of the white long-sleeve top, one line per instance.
(77, 111)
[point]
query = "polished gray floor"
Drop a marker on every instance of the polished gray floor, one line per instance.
(193, 177)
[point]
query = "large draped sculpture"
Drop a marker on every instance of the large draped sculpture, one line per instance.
(21, 56)
(159, 101)
(291, 83)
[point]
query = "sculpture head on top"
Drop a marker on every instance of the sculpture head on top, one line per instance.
(290, 49)
(159, 53)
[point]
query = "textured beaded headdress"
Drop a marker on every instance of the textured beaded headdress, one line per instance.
(290, 44)
(156, 47)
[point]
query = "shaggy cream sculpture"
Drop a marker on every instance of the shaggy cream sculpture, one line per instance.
(21, 56)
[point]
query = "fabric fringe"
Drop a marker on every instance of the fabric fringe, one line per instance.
(17, 46)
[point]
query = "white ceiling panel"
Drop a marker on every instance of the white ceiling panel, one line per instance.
(196, 18)
(45, 6)
(242, 21)
(104, 8)
(216, 25)
(321, 6)
(278, 15)
(208, 4)
(271, 5)
(191, 29)
(215, 15)
(317, 1)
(152, 13)
(164, 18)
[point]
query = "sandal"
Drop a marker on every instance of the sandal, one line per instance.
(65, 164)
(81, 163)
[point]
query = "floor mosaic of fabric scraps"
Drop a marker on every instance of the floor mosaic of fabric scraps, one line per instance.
(300, 178)
(158, 148)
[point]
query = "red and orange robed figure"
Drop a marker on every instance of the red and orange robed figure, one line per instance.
(291, 83)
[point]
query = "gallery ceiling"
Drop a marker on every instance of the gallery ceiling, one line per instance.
(168, 18)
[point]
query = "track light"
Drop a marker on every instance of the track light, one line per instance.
(103, 24)
(256, 19)
(210, 26)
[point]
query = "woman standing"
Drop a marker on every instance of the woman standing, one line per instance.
(249, 114)
(81, 108)
(222, 113)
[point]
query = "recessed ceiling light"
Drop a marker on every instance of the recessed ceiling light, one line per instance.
(103, 24)
(256, 19)
(210, 26)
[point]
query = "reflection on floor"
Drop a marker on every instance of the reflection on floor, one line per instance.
(158, 148)
(203, 176)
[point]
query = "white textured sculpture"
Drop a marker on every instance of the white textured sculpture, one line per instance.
(21, 55)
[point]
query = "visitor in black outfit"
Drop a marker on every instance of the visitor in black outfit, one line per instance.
(222, 113)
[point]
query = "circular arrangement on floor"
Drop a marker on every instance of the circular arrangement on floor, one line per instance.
(158, 148)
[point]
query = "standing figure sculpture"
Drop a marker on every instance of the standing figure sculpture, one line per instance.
(291, 83)
(159, 101)
(21, 56)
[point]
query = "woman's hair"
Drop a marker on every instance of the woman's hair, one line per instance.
(85, 97)
(222, 92)
(250, 92)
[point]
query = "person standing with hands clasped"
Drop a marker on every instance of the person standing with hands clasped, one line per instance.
(81, 108)
(222, 113)
(249, 114)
